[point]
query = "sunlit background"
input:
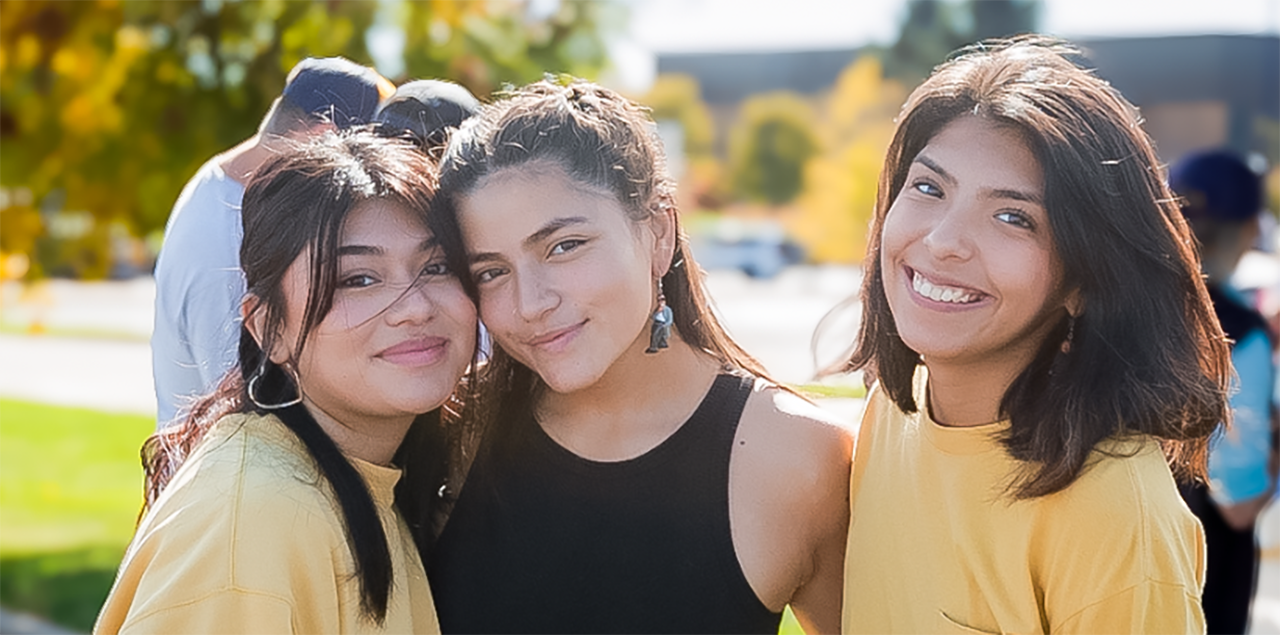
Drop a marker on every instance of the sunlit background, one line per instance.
(775, 116)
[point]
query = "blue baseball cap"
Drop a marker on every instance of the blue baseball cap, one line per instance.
(336, 90)
(1218, 185)
(426, 109)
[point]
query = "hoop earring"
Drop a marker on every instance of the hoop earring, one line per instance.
(660, 323)
(253, 384)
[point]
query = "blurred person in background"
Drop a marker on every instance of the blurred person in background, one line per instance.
(426, 110)
(1222, 201)
(291, 499)
(198, 279)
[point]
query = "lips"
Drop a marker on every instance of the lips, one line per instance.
(941, 292)
(553, 341)
(416, 352)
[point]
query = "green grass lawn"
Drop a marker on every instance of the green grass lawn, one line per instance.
(70, 491)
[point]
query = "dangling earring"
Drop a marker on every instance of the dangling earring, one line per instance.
(1071, 334)
(660, 324)
(253, 385)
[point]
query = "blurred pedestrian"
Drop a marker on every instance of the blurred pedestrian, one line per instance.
(1044, 352)
(1222, 200)
(426, 110)
(198, 278)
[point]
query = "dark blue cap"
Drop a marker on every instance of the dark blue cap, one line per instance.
(1216, 184)
(335, 89)
(426, 109)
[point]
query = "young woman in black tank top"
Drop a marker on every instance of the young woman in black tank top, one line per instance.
(636, 470)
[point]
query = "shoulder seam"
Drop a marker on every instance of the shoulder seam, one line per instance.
(226, 589)
(1145, 581)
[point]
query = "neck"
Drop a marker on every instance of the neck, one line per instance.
(968, 394)
(637, 404)
(243, 160)
(368, 440)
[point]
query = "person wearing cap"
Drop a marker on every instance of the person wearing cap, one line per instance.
(1222, 201)
(425, 110)
(198, 280)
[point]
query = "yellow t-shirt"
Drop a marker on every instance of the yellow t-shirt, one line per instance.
(936, 545)
(248, 538)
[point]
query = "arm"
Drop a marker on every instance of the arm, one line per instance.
(792, 461)
(1240, 484)
(817, 603)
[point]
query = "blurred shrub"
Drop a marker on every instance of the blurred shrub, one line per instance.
(677, 98)
(840, 184)
(769, 146)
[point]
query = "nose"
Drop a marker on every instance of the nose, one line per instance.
(414, 305)
(949, 237)
(534, 296)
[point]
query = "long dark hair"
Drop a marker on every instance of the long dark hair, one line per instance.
(1146, 354)
(298, 202)
(601, 140)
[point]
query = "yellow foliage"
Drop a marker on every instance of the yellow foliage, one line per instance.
(28, 51)
(836, 206)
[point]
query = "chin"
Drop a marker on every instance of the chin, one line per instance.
(567, 380)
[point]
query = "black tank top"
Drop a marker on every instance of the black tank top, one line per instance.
(542, 540)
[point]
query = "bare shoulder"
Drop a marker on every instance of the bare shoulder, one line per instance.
(800, 440)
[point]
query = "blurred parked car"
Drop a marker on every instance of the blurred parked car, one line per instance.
(759, 249)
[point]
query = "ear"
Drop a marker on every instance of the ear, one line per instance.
(253, 314)
(662, 222)
(1074, 303)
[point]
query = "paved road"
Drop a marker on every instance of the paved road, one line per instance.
(105, 362)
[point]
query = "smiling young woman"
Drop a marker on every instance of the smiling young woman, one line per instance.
(638, 471)
(288, 501)
(1044, 352)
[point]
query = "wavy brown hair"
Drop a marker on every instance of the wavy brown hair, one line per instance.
(603, 141)
(1147, 355)
(296, 203)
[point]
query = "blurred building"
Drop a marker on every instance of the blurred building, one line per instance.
(1195, 91)
(1198, 91)
(728, 79)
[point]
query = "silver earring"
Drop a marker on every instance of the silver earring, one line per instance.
(253, 385)
(660, 323)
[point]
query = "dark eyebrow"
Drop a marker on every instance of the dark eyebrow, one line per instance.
(1017, 195)
(552, 226)
(375, 250)
(933, 165)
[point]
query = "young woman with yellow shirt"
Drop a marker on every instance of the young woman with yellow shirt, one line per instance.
(289, 501)
(1046, 360)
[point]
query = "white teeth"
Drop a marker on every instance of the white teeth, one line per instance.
(939, 293)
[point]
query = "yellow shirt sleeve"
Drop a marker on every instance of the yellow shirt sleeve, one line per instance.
(1149, 607)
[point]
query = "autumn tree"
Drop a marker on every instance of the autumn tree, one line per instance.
(840, 184)
(109, 107)
(769, 146)
(677, 98)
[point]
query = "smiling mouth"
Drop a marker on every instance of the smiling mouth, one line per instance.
(421, 352)
(941, 292)
(552, 339)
